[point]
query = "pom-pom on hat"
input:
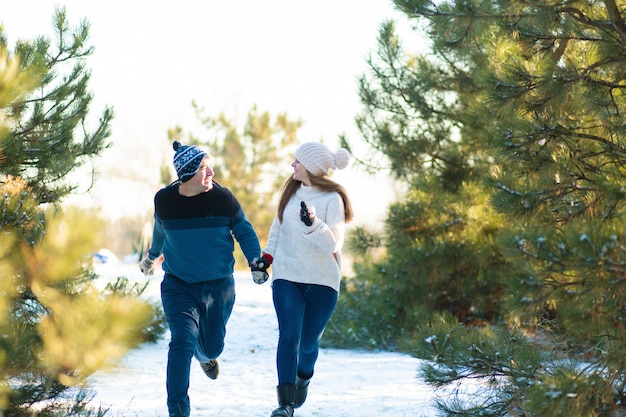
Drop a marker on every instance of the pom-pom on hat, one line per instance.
(318, 159)
(187, 160)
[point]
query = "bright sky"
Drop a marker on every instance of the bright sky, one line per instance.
(152, 59)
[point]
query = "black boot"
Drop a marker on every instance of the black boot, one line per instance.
(302, 388)
(286, 400)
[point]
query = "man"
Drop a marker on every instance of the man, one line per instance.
(195, 220)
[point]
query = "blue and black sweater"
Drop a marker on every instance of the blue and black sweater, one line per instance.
(195, 234)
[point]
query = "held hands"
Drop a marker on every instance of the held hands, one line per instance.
(307, 214)
(259, 268)
(147, 266)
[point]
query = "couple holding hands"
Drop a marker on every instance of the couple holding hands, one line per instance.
(195, 221)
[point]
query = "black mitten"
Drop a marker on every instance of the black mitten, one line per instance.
(259, 268)
(307, 215)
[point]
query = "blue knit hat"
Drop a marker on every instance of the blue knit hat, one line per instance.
(187, 160)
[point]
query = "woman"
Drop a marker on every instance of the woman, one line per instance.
(305, 243)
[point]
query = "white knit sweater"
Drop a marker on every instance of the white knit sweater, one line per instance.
(309, 254)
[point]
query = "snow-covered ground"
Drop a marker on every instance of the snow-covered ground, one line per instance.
(347, 383)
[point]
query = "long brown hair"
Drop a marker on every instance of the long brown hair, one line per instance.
(322, 183)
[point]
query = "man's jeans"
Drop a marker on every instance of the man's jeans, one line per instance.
(303, 311)
(197, 315)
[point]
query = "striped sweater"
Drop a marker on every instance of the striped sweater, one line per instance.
(195, 234)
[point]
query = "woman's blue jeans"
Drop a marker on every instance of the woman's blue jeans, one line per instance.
(197, 315)
(303, 311)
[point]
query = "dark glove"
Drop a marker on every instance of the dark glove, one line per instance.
(307, 215)
(259, 268)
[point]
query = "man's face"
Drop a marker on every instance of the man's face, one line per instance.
(204, 176)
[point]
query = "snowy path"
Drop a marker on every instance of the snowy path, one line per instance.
(347, 383)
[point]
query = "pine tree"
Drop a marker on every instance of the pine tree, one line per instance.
(513, 123)
(51, 134)
(441, 246)
(57, 327)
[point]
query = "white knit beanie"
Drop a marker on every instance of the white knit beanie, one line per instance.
(318, 159)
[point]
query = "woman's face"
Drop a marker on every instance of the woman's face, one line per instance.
(300, 173)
